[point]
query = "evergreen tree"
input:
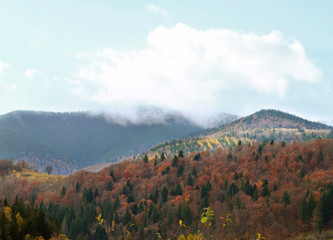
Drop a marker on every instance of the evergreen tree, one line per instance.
(109, 186)
(145, 158)
(127, 217)
(189, 181)
(135, 209)
(164, 194)
(63, 191)
(162, 156)
(155, 196)
(100, 233)
(197, 157)
(302, 172)
(194, 172)
(96, 194)
(184, 213)
(286, 198)
(169, 217)
(181, 154)
(238, 202)
(77, 187)
(174, 161)
(130, 198)
(180, 170)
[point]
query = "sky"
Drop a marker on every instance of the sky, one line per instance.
(198, 58)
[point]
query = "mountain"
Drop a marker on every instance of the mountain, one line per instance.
(71, 141)
(262, 125)
(272, 124)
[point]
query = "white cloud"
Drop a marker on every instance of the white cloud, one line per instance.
(156, 9)
(3, 66)
(32, 73)
(194, 71)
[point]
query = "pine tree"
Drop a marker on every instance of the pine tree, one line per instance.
(162, 156)
(180, 170)
(127, 217)
(145, 158)
(77, 187)
(169, 217)
(194, 172)
(164, 194)
(286, 198)
(189, 181)
(181, 154)
(174, 161)
(63, 191)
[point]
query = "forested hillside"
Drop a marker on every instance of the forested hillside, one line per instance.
(71, 141)
(278, 189)
(262, 125)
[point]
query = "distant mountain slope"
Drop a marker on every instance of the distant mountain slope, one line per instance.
(264, 124)
(257, 124)
(69, 141)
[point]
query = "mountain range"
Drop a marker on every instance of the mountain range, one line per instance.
(72, 141)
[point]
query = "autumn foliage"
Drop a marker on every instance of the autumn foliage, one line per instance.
(277, 189)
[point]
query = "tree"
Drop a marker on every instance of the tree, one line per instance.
(197, 157)
(181, 154)
(145, 158)
(49, 169)
(174, 161)
(194, 172)
(164, 194)
(77, 187)
(180, 170)
(286, 198)
(162, 156)
(169, 217)
(307, 206)
(127, 217)
(63, 191)
(189, 181)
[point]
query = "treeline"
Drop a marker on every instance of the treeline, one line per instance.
(21, 221)
(8, 165)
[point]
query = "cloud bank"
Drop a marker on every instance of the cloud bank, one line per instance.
(192, 71)
(3, 66)
(32, 73)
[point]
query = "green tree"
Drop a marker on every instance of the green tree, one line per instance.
(189, 181)
(63, 191)
(286, 198)
(180, 170)
(145, 158)
(127, 217)
(169, 217)
(181, 154)
(77, 187)
(197, 157)
(162, 156)
(174, 161)
(164, 194)
(194, 172)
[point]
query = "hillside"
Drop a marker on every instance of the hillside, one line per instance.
(279, 190)
(263, 125)
(69, 141)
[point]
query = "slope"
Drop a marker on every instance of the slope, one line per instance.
(69, 141)
(262, 125)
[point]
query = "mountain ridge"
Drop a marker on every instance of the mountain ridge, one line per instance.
(73, 140)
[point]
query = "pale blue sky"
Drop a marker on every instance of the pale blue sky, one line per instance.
(79, 55)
